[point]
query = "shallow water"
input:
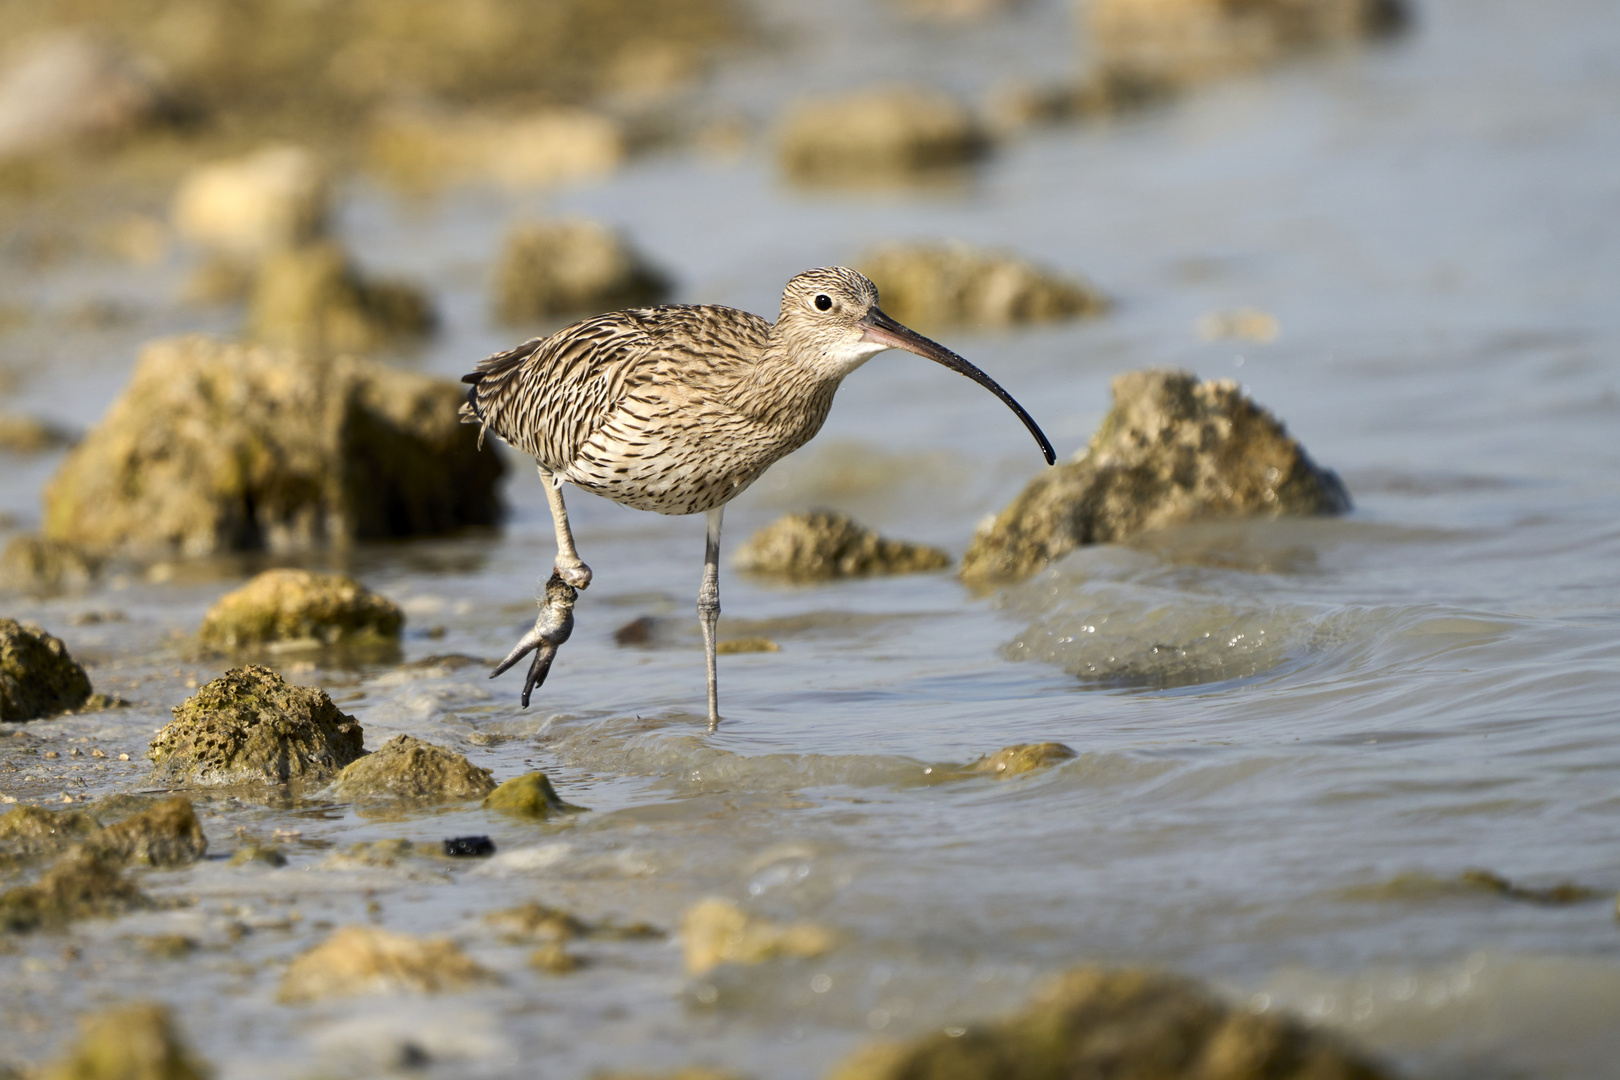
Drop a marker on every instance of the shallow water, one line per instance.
(1281, 726)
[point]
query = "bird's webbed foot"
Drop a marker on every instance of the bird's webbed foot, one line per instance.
(551, 628)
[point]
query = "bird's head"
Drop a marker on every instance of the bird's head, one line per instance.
(831, 319)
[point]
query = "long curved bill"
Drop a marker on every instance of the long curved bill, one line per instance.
(882, 330)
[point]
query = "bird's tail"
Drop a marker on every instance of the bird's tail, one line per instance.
(495, 368)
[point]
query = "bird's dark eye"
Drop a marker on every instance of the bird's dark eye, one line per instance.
(823, 302)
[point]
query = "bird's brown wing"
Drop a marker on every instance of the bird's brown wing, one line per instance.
(548, 396)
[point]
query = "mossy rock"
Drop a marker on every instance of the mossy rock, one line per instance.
(301, 606)
(137, 1041)
(314, 298)
(1021, 758)
(37, 676)
(1123, 1023)
(409, 769)
(82, 884)
(822, 545)
(550, 268)
(250, 726)
(1171, 451)
(529, 795)
(166, 834)
(35, 830)
(226, 447)
(937, 285)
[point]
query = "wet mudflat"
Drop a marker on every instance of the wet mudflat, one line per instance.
(1294, 738)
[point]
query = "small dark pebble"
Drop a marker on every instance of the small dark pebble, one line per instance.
(635, 632)
(469, 846)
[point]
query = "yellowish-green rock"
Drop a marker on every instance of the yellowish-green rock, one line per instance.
(952, 284)
(166, 834)
(1172, 450)
(250, 726)
(821, 545)
(358, 960)
(409, 769)
(716, 931)
(314, 298)
(550, 268)
(137, 1041)
(1021, 758)
(1126, 1024)
(37, 676)
(301, 606)
(529, 795)
(227, 447)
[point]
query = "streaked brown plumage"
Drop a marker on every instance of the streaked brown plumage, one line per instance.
(680, 408)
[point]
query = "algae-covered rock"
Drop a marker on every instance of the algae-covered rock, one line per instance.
(315, 298)
(1021, 758)
(245, 208)
(822, 545)
(407, 768)
(37, 676)
(251, 726)
(1188, 41)
(34, 830)
(220, 447)
(83, 884)
(164, 835)
(298, 606)
(529, 795)
(550, 146)
(954, 284)
(136, 1041)
(715, 932)
(73, 86)
(1172, 450)
(1126, 1024)
(571, 267)
(359, 960)
(30, 434)
(34, 563)
(877, 135)
(536, 922)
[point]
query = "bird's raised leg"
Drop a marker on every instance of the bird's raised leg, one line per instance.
(556, 619)
(708, 606)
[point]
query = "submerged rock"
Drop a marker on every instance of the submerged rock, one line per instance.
(954, 284)
(359, 960)
(1021, 758)
(83, 884)
(877, 135)
(551, 146)
(535, 922)
(297, 606)
(552, 268)
(251, 726)
(407, 768)
(128, 1042)
(70, 87)
(1123, 1023)
(529, 795)
(315, 298)
(167, 834)
(223, 447)
(738, 645)
(37, 676)
(35, 563)
(715, 932)
(1172, 450)
(1187, 41)
(246, 208)
(821, 545)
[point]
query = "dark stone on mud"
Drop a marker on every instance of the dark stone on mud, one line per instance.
(82, 884)
(1171, 451)
(1122, 1023)
(225, 447)
(469, 847)
(409, 769)
(250, 726)
(128, 1042)
(37, 676)
(821, 545)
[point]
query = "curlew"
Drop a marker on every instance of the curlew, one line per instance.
(678, 409)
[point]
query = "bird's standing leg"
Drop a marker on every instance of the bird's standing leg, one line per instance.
(556, 619)
(708, 606)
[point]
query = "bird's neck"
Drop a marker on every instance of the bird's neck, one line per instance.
(784, 394)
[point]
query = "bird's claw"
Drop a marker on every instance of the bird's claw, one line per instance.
(551, 628)
(578, 576)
